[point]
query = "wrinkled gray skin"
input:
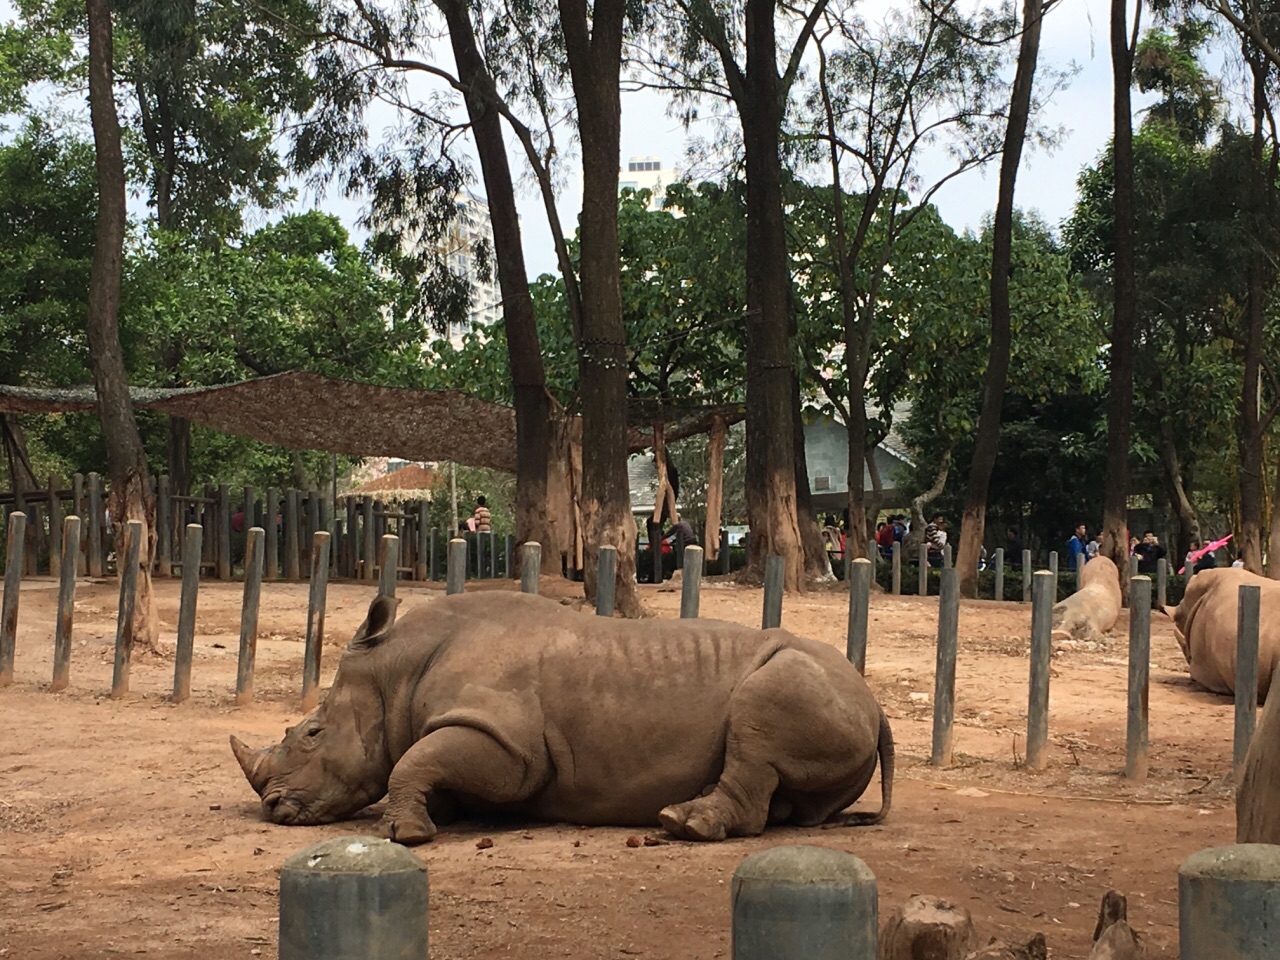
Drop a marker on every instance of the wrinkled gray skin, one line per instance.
(509, 702)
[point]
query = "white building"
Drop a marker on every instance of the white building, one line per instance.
(646, 173)
(471, 231)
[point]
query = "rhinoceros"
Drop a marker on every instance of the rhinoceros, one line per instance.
(504, 702)
(1205, 626)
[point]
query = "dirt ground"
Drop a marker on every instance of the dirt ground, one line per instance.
(127, 828)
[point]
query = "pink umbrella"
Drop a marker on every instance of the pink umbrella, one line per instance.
(1195, 555)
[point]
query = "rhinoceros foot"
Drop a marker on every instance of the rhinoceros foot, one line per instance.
(695, 820)
(408, 828)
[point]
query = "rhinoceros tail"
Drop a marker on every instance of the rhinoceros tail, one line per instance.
(884, 747)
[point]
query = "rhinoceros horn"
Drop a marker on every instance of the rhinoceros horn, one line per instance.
(251, 762)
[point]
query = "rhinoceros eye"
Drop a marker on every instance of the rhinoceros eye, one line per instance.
(314, 731)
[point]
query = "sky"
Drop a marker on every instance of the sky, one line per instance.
(1075, 35)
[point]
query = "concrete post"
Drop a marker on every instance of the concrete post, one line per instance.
(896, 582)
(1026, 576)
(859, 605)
(691, 589)
(192, 548)
(353, 896)
(802, 903)
(1162, 583)
(1229, 903)
(775, 571)
(999, 557)
(606, 579)
(530, 566)
(1053, 568)
(1041, 653)
(1136, 739)
(270, 510)
(1080, 559)
(944, 683)
(922, 588)
(1246, 672)
(388, 564)
(456, 574)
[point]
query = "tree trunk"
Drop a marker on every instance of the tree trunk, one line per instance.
(130, 495)
(1188, 519)
(715, 488)
(1251, 432)
(816, 561)
(593, 47)
(918, 503)
(987, 442)
(22, 477)
(524, 352)
(1115, 525)
(771, 474)
(873, 503)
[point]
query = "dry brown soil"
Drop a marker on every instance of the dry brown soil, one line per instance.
(127, 828)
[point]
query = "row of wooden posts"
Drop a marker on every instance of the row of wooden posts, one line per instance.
(1042, 600)
(998, 563)
(357, 530)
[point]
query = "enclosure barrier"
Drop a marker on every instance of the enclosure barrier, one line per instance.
(353, 896)
(1246, 690)
(1042, 596)
(66, 605)
(1229, 903)
(1137, 743)
(803, 903)
(944, 683)
(859, 608)
(691, 586)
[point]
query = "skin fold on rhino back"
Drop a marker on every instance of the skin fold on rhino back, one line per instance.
(1206, 624)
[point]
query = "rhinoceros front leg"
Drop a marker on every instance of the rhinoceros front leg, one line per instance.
(460, 760)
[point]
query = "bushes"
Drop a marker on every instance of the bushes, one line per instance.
(987, 582)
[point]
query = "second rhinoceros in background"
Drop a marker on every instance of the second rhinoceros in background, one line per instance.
(502, 701)
(1206, 624)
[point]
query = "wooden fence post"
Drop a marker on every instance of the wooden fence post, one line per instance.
(66, 604)
(1136, 742)
(313, 526)
(509, 557)
(164, 527)
(55, 528)
(530, 566)
(944, 684)
(315, 620)
(775, 572)
(17, 534)
(1041, 653)
(1246, 697)
(424, 532)
(224, 531)
(192, 549)
(128, 574)
(350, 559)
(250, 520)
(859, 575)
(95, 525)
(368, 534)
(271, 531)
(691, 588)
(77, 496)
(249, 616)
(292, 533)
(1162, 583)
(434, 560)
(456, 575)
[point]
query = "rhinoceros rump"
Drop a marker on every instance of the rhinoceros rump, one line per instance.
(508, 702)
(1093, 609)
(1205, 626)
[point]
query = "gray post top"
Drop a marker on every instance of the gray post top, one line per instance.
(364, 855)
(1247, 862)
(803, 865)
(863, 560)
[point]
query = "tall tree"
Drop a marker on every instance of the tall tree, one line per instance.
(593, 47)
(987, 441)
(1115, 524)
(130, 496)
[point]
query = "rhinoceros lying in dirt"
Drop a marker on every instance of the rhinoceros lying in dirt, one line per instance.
(1205, 626)
(1093, 609)
(508, 702)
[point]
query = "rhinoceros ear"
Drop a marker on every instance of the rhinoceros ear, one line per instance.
(377, 625)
